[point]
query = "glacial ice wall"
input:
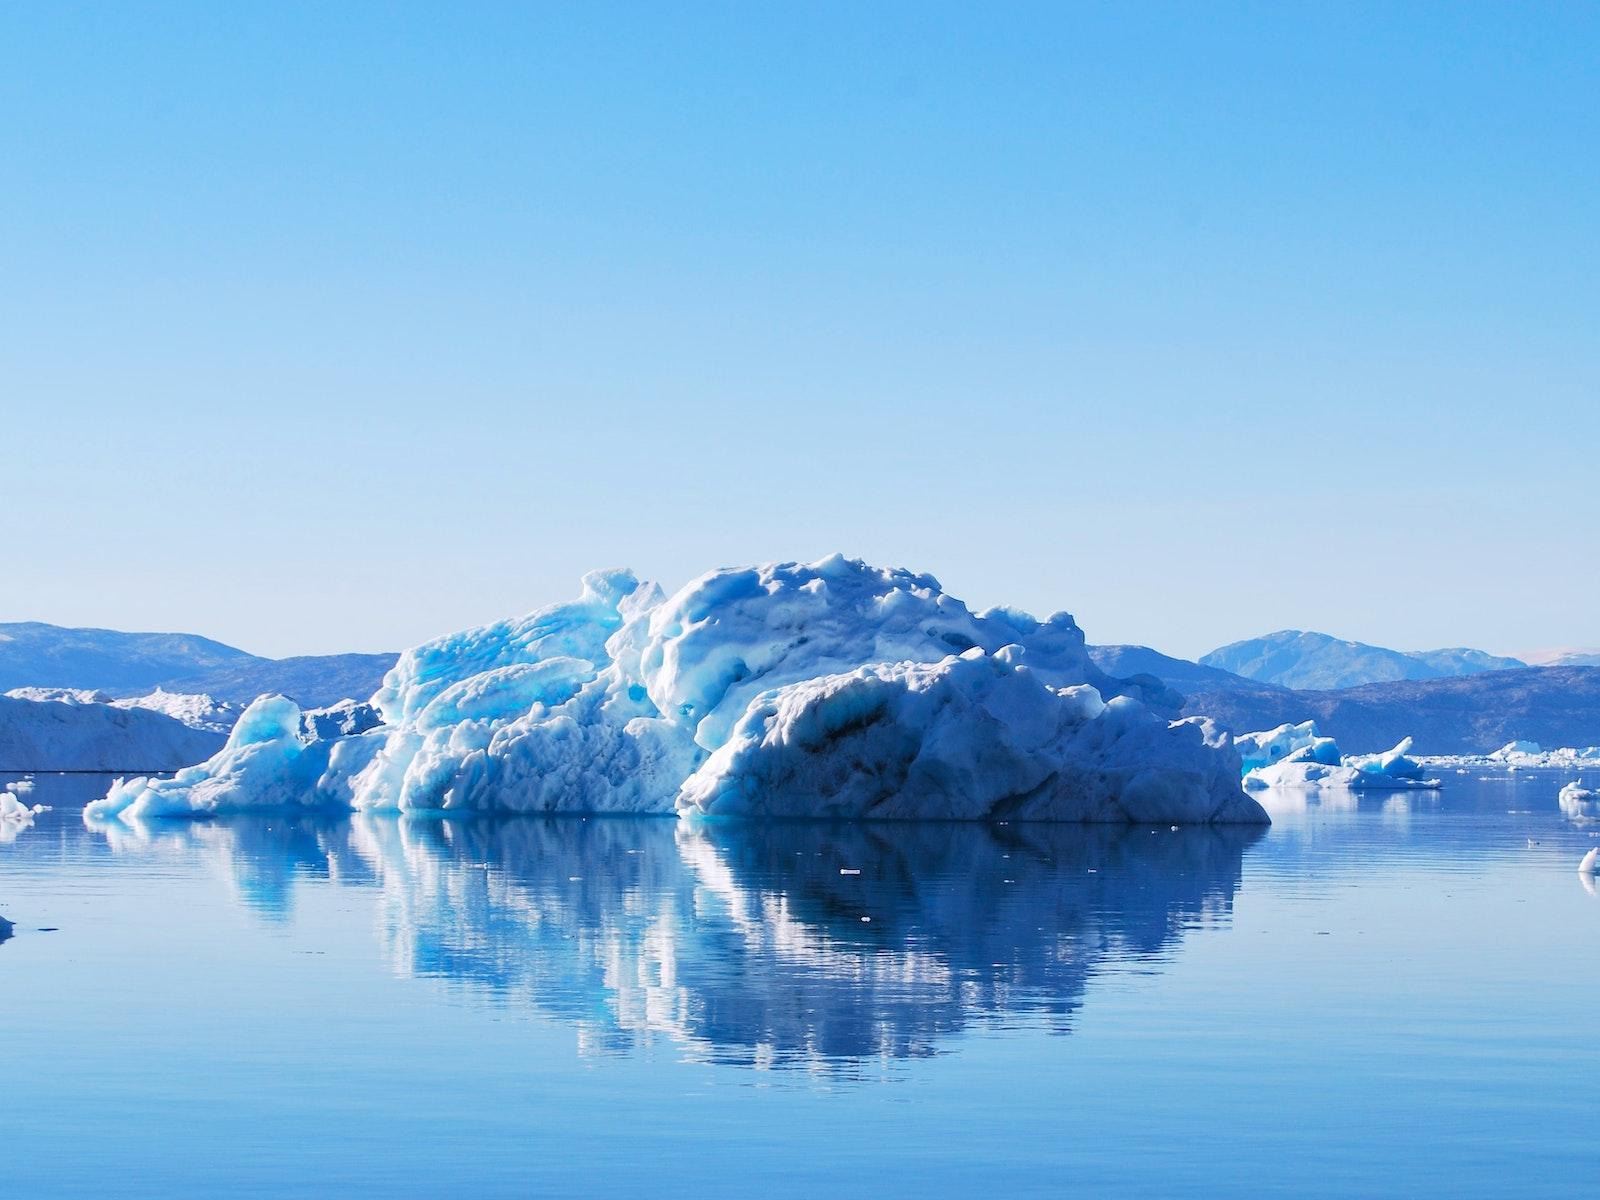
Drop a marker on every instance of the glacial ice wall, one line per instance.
(832, 688)
(79, 735)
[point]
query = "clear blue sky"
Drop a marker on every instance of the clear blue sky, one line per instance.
(333, 327)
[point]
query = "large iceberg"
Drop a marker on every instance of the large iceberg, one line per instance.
(65, 732)
(194, 709)
(975, 736)
(833, 689)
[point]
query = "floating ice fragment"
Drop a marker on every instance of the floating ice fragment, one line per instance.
(1295, 756)
(1297, 743)
(15, 816)
(1579, 803)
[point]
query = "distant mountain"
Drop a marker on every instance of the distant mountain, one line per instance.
(1461, 661)
(1554, 706)
(1566, 657)
(1292, 658)
(34, 654)
(313, 680)
(1180, 673)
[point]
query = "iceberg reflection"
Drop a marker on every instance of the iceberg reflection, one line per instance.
(801, 945)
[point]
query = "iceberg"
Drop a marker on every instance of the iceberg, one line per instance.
(975, 737)
(1579, 803)
(16, 815)
(73, 734)
(1296, 756)
(194, 709)
(339, 720)
(1300, 742)
(1394, 765)
(1516, 749)
(825, 689)
(1522, 756)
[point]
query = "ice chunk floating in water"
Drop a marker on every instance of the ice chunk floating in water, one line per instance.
(1579, 803)
(832, 689)
(265, 764)
(1296, 756)
(15, 815)
(1299, 743)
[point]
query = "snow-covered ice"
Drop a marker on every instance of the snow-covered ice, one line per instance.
(196, 710)
(81, 735)
(976, 736)
(825, 689)
(265, 764)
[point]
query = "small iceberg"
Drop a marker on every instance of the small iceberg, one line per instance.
(1296, 756)
(1523, 755)
(1514, 750)
(15, 815)
(1590, 864)
(1579, 803)
(1298, 743)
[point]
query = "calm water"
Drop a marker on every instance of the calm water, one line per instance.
(1390, 996)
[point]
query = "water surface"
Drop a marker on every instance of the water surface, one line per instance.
(1378, 995)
